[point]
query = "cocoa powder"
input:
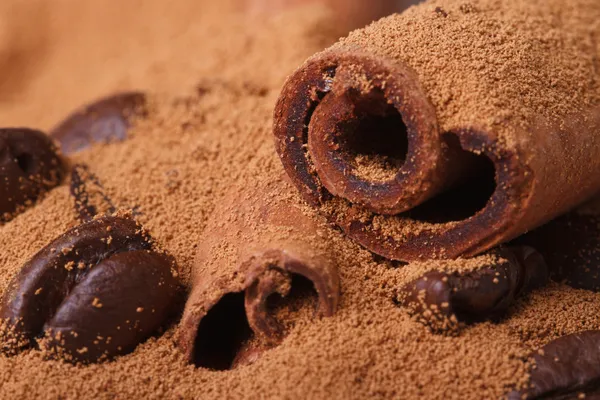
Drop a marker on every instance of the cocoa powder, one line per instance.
(216, 76)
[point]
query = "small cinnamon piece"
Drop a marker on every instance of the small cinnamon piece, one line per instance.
(269, 241)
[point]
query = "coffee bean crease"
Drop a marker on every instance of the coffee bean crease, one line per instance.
(101, 279)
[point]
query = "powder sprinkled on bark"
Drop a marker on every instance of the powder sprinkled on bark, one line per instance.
(480, 46)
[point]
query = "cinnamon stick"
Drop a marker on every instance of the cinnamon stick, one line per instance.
(449, 129)
(256, 245)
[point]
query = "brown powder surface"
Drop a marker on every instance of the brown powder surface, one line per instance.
(376, 168)
(207, 133)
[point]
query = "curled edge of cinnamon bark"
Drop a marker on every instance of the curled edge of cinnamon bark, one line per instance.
(564, 368)
(262, 275)
(270, 241)
(445, 301)
(368, 211)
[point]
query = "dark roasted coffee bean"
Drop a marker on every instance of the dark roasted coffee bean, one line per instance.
(570, 245)
(45, 280)
(565, 368)
(49, 285)
(441, 299)
(29, 166)
(105, 120)
(117, 305)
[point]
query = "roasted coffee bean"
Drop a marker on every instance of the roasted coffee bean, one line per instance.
(44, 281)
(113, 308)
(570, 245)
(29, 166)
(49, 293)
(442, 300)
(103, 121)
(565, 368)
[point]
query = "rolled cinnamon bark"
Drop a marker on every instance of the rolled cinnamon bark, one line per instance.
(448, 129)
(256, 245)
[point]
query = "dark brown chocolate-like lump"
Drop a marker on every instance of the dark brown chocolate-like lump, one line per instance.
(94, 292)
(444, 300)
(102, 121)
(566, 368)
(29, 166)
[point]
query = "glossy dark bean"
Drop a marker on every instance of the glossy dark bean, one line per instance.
(565, 368)
(51, 280)
(438, 297)
(103, 121)
(570, 245)
(29, 166)
(117, 305)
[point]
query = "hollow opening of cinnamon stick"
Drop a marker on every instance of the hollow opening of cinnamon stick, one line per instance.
(225, 340)
(222, 333)
(370, 141)
(359, 143)
(466, 197)
(302, 295)
(374, 142)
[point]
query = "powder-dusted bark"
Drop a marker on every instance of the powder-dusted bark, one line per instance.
(422, 137)
(268, 240)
